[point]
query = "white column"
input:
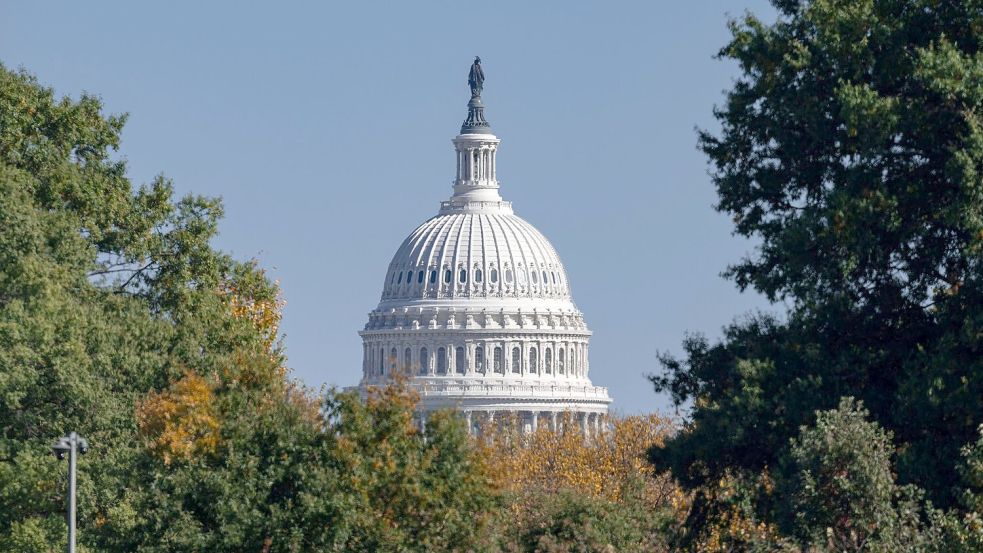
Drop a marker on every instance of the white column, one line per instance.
(583, 359)
(586, 360)
(467, 419)
(524, 364)
(471, 165)
(535, 421)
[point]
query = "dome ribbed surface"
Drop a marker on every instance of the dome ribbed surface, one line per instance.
(471, 254)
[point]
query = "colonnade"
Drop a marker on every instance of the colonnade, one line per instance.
(591, 424)
(484, 357)
(477, 164)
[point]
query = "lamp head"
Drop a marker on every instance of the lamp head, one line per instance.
(61, 447)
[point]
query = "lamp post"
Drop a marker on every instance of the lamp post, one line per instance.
(71, 445)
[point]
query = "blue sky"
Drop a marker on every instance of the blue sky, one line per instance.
(326, 127)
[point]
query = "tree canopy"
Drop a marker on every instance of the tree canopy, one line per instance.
(119, 320)
(850, 150)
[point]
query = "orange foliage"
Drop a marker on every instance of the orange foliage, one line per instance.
(611, 466)
(261, 365)
(183, 421)
(180, 422)
(734, 529)
(264, 314)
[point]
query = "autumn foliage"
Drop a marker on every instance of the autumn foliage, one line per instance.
(184, 419)
(610, 466)
(563, 486)
(181, 421)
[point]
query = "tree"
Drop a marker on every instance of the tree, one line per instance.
(105, 293)
(837, 489)
(851, 150)
(119, 320)
(564, 491)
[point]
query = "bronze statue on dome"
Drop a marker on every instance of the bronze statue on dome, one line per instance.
(476, 78)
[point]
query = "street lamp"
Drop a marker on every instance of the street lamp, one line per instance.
(71, 445)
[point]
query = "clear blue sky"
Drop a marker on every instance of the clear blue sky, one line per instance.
(326, 127)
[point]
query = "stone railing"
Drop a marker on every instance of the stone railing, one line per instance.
(471, 388)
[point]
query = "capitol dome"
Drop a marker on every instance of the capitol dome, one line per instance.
(473, 254)
(476, 306)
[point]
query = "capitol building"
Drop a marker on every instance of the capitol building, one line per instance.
(476, 306)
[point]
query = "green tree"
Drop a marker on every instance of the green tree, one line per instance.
(851, 150)
(569, 522)
(838, 491)
(105, 294)
(120, 321)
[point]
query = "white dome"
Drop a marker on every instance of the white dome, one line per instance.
(476, 255)
(476, 307)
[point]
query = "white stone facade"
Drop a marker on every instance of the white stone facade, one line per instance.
(476, 307)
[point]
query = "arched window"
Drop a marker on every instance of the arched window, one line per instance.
(407, 359)
(508, 275)
(477, 275)
(419, 277)
(533, 360)
(534, 279)
(544, 278)
(463, 276)
(498, 360)
(392, 360)
(424, 359)
(479, 359)
(409, 277)
(433, 277)
(552, 274)
(573, 361)
(441, 361)
(516, 360)
(459, 360)
(548, 357)
(447, 276)
(400, 279)
(382, 361)
(493, 275)
(559, 361)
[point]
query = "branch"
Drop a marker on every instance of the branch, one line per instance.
(122, 287)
